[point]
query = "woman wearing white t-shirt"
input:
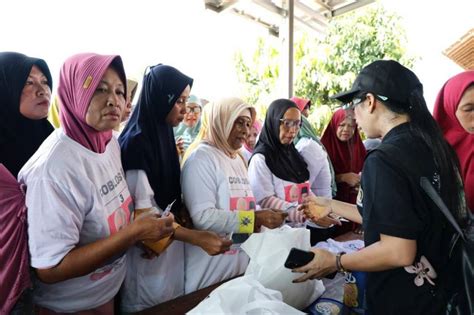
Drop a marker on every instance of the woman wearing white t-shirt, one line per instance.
(217, 193)
(78, 201)
(153, 176)
(278, 174)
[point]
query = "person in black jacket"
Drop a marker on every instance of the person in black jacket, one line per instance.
(404, 232)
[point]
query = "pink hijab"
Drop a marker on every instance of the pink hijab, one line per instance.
(300, 102)
(462, 142)
(79, 77)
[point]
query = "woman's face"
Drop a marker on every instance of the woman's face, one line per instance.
(193, 112)
(176, 115)
(35, 96)
(252, 137)
(128, 106)
(107, 103)
(290, 125)
(240, 130)
(294, 193)
(465, 111)
(346, 129)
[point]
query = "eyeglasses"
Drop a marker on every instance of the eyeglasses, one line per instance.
(289, 123)
(355, 101)
(359, 99)
(196, 109)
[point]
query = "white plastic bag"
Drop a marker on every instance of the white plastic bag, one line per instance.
(268, 251)
(243, 296)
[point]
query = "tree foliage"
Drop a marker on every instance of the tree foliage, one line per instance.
(328, 66)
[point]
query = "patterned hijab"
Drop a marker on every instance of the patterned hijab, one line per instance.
(462, 142)
(147, 142)
(284, 161)
(79, 77)
(20, 137)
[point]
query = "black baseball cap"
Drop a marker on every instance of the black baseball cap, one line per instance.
(387, 79)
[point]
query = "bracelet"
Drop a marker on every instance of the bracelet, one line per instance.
(339, 266)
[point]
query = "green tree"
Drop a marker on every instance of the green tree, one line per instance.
(328, 66)
(258, 78)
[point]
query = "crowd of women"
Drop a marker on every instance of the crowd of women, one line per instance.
(142, 206)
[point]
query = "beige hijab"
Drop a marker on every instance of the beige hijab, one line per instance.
(222, 116)
(217, 121)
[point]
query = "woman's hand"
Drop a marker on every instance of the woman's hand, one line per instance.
(150, 226)
(270, 218)
(323, 263)
(316, 208)
(327, 221)
(85, 259)
(212, 243)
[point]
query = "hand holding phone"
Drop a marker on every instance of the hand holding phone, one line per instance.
(298, 258)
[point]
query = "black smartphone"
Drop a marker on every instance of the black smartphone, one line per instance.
(298, 257)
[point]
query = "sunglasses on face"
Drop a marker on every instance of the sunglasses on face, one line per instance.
(359, 99)
(355, 101)
(289, 123)
(196, 110)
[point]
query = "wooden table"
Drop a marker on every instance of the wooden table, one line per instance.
(185, 303)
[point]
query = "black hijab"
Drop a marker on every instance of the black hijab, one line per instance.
(284, 161)
(147, 142)
(20, 137)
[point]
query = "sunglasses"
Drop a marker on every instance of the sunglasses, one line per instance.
(196, 110)
(289, 123)
(359, 99)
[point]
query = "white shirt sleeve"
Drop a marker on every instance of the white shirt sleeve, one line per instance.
(318, 166)
(140, 189)
(200, 190)
(260, 178)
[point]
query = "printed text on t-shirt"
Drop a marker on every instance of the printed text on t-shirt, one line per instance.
(111, 184)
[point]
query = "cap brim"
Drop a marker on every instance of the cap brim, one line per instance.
(345, 97)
